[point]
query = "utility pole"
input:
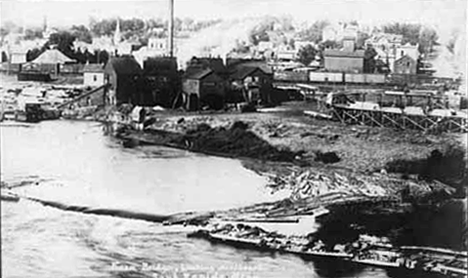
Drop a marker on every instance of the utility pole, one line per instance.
(171, 28)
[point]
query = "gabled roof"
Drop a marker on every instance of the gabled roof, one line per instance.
(243, 71)
(199, 74)
(125, 65)
(339, 53)
(216, 64)
(52, 56)
(404, 57)
(159, 65)
(93, 68)
(234, 64)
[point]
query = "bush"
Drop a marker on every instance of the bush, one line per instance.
(239, 125)
(447, 166)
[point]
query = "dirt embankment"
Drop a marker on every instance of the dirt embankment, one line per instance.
(289, 136)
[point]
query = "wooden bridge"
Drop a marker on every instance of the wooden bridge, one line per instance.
(424, 111)
(393, 118)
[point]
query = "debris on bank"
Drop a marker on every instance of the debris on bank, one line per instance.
(366, 250)
(7, 195)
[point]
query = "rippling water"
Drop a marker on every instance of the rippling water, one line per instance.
(73, 162)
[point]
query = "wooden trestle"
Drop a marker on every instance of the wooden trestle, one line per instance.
(382, 118)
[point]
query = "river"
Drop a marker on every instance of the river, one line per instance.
(75, 163)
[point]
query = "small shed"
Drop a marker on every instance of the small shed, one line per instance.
(93, 75)
(405, 65)
(124, 76)
(204, 87)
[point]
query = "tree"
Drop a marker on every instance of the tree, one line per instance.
(314, 32)
(329, 45)
(31, 34)
(361, 40)
(4, 57)
(425, 36)
(105, 27)
(427, 39)
(369, 60)
(307, 54)
(64, 42)
(292, 43)
(79, 56)
(409, 31)
(101, 56)
(33, 54)
(9, 27)
(82, 33)
(260, 32)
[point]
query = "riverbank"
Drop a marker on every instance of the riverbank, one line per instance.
(286, 135)
(327, 164)
(338, 198)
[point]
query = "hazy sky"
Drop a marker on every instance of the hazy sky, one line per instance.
(448, 13)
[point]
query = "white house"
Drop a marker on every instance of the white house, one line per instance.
(158, 44)
(93, 75)
(409, 50)
(18, 57)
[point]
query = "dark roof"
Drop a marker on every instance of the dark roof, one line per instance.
(243, 72)
(234, 64)
(339, 53)
(198, 74)
(124, 65)
(93, 68)
(216, 64)
(405, 57)
(158, 65)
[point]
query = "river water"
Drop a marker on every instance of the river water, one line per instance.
(75, 163)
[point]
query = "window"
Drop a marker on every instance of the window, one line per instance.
(94, 78)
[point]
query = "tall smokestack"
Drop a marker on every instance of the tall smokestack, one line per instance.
(171, 28)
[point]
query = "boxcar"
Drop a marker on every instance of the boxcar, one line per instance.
(332, 77)
(290, 76)
(364, 78)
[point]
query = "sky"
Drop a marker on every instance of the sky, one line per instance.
(445, 13)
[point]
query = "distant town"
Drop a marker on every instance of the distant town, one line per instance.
(272, 39)
(339, 146)
(259, 55)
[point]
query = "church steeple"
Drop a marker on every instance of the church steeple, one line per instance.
(117, 36)
(44, 24)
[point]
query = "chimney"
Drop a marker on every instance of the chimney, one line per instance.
(171, 28)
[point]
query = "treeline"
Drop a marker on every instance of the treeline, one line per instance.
(139, 27)
(130, 28)
(270, 28)
(425, 36)
(63, 41)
